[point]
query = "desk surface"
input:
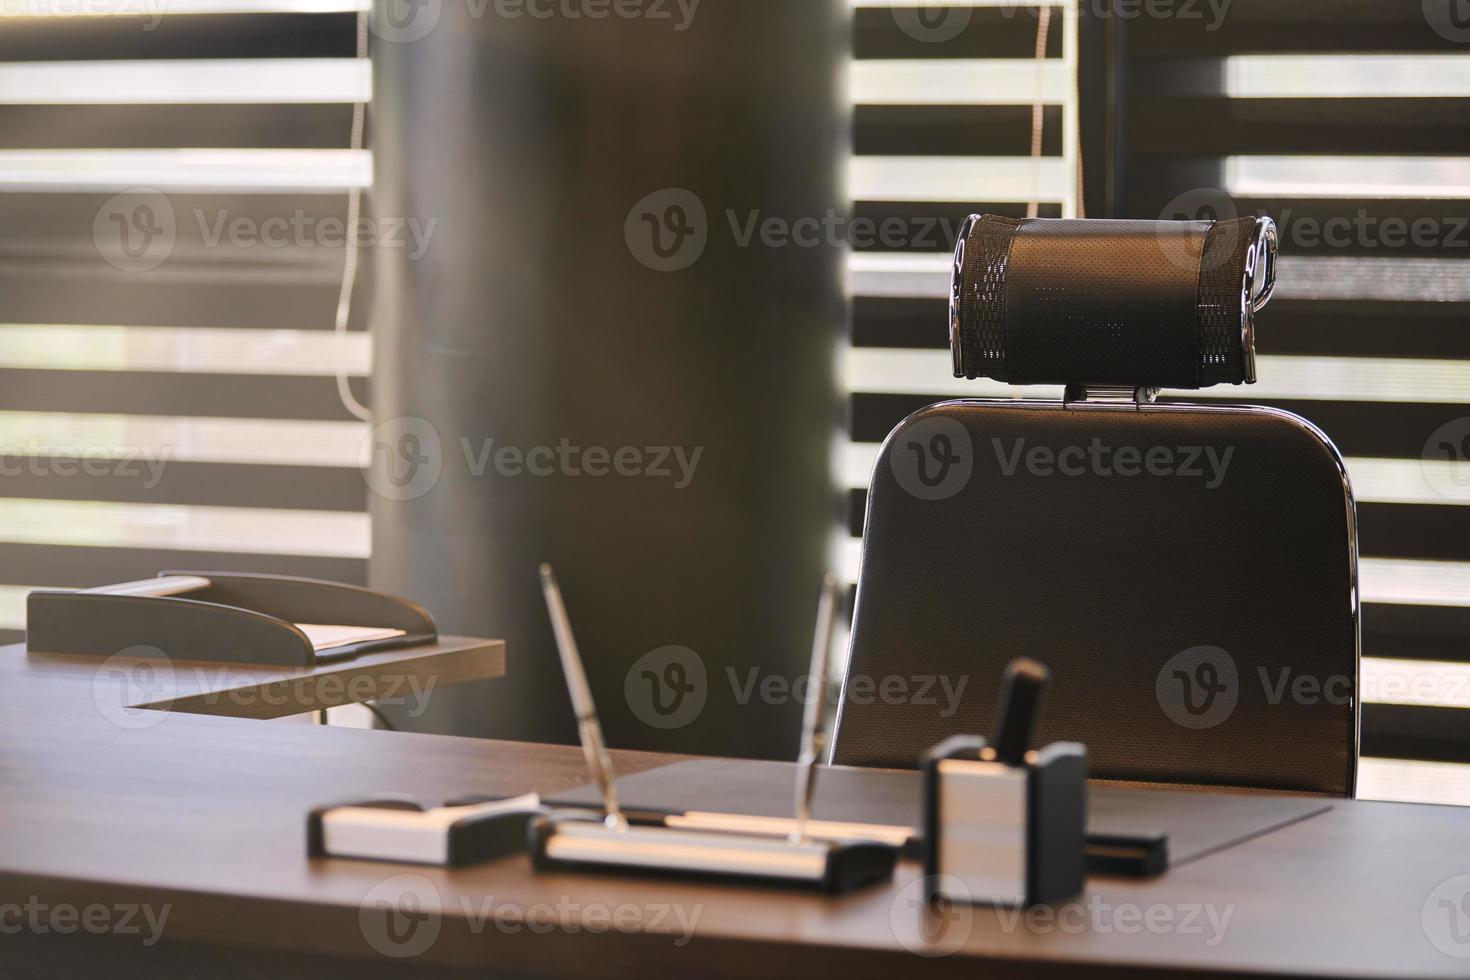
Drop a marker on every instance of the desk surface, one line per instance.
(117, 685)
(205, 816)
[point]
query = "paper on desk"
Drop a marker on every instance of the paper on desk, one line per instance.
(325, 637)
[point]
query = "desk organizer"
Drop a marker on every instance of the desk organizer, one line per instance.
(220, 616)
(576, 843)
(401, 829)
(1002, 834)
(610, 841)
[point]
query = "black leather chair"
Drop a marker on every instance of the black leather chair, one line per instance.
(1188, 571)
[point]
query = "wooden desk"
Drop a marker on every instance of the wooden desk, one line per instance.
(205, 816)
(119, 684)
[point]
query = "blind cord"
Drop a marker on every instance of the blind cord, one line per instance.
(349, 256)
(354, 195)
(1038, 109)
(1077, 128)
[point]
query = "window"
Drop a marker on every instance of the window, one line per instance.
(943, 101)
(170, 259)
(943, 105)
(1349, 123)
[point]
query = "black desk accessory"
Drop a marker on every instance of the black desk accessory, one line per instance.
(1053, 313)
(570, 840)
(1004, 825)
(902, 839)
(401, 829)
(225, 616)
(1136, 855)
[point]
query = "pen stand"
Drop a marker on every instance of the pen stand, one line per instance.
(230, 617)
(563, 841)
(999, 834)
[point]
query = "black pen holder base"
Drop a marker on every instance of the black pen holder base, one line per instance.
(561, 842)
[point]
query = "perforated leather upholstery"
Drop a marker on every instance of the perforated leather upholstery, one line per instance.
(1141, 589)
(1099, 302)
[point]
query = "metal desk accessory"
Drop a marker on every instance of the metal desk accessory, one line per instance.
(1006, 825)
(401, 829)
(609, 841)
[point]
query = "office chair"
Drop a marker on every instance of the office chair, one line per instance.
(1188, 571)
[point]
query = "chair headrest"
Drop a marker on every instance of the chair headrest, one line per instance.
(1089, 302)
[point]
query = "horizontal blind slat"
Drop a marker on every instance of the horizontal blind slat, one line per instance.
(948, 31)
(84, 567)
(191, 170)
(930, 83)
(953, 130)
(236, 530)
(274, 81)
(217, 301)
(1359, 429)
(134, 478)
(1282, 377)
(175, 29)
(201, 350)
(207, 367)
(140, 394)
(270, 442)
(1221, 126)
(307, 126)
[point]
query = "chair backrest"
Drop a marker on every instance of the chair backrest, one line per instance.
(1188, 572)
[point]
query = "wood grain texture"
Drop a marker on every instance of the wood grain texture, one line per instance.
(266, 690)
(205, 816)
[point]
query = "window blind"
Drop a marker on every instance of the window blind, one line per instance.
(1348, 121)
(943, 101)
(171, 250)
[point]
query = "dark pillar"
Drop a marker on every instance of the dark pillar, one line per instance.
(540, 316)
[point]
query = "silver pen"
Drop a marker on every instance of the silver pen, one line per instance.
(589, 729)
(813, 735)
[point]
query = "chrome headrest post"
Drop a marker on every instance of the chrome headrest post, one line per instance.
(1090, 395)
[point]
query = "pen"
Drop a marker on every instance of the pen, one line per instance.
(589, 729)
(1020, 700)
(813, 738)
